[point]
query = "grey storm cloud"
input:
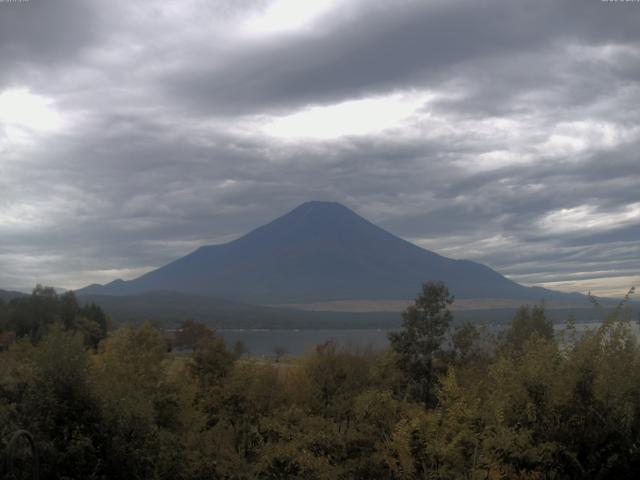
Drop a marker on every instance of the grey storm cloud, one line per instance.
(519, 150)
(508, 46)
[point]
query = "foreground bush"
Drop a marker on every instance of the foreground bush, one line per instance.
(441, 403)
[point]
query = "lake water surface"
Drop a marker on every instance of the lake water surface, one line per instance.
(298, 342)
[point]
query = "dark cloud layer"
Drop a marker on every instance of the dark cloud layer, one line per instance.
(131, 133)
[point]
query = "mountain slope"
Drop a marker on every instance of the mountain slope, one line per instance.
(171, 308)
(7, 295)
(320, 251)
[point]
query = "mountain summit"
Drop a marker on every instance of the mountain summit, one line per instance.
(319, 251)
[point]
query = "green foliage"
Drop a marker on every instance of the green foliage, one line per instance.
(528, 405)
(190, 333)
(212, 361)
(141, 406)
(32, 317)
(527, 322)
(418, 344)
(47, 391)
(467, 345)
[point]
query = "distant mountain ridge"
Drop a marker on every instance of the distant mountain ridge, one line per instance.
(7, 295)
(321, 251)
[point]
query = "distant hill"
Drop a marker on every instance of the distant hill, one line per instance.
(6, 295)
(318, 252)
(170, 308)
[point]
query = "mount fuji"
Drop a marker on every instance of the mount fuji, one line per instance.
(320, 252)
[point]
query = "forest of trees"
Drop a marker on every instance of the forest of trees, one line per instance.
(444, 401)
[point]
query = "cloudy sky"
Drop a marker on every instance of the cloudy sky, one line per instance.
(132, 132)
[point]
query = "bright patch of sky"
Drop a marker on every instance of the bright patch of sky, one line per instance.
(587, 217)
(287, 16)
(19, 108)
(23, 117)
(354, 117)
(614, 286)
